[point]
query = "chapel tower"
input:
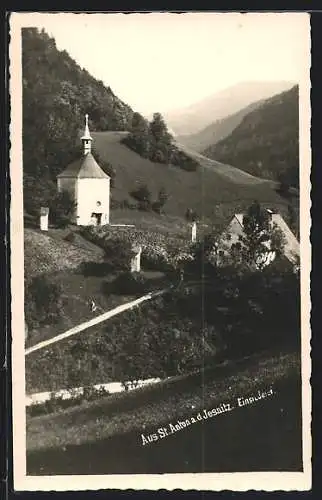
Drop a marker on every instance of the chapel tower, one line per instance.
(88, 185)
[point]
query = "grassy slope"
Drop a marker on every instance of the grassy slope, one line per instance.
(47, 253)
(216, 190)
(51, 255)
(84, 439)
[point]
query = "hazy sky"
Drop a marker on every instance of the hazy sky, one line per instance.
(162, 61)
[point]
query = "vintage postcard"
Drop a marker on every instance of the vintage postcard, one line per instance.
(160, 252)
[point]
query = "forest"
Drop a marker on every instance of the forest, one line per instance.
(56, 95)
(266, 143)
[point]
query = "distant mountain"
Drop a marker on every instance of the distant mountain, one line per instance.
(216, 131)
(199, 115)
(266, 143)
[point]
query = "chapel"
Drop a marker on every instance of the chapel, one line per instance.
(88, 184)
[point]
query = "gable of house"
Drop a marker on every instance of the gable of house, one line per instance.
(235, 229)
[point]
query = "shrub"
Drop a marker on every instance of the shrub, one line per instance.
(118, 253)
(143, 196)
(154, 259)
(129, 284)
(57, 403)
(95, 268)
(70, 237)
(62, 208)
(43, 301)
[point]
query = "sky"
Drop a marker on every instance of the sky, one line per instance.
(167, 61)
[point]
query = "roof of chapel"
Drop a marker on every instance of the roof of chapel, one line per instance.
(85, 167)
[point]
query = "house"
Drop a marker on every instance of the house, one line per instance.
(88, 185)
(291, 245)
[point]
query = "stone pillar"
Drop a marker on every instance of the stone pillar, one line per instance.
(44, 212)
(136, 260)
(194, 232)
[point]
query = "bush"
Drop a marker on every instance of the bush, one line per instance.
(129, 284)
(160, 252)
(62, 208)
(118, 253)
(184, 161)
(98, 269)
(70, 237)
(143, 196)
(43, 301)
(57, 403)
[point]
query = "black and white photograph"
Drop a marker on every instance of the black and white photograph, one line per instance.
(160, 253)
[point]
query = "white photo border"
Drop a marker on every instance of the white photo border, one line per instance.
(265, 481)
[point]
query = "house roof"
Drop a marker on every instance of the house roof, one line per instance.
(240, 218)
(291, 246)
(85, 167)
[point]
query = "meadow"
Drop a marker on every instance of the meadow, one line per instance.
(104, 436)
(215, 191)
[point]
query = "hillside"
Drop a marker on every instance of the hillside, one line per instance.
(216, 131)
(266, 142)
(214, 190)
(199, 115)
(57, 93)
(51, 253)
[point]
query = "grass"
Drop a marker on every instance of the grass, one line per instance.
(215, 191)
(51, 255)
(78, 291)
(104, 437)
(48, 253)
(150, 221)
(58, 258)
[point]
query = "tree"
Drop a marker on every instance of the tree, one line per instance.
(118, 252)
(143, 195)
(38, 192)
(159, 130)
(153, 141)
(138, 139)
(259, 237)
(161, 200)
(106, 166)
(288, 177)
(44, 300)
(62, 208)
(161, 147)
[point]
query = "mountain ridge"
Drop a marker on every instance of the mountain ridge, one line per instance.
(197, 116)
(250, 145)
(217, 130)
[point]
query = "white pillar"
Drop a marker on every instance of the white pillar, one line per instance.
(194, 232)
(44, 212)
(136, 261)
